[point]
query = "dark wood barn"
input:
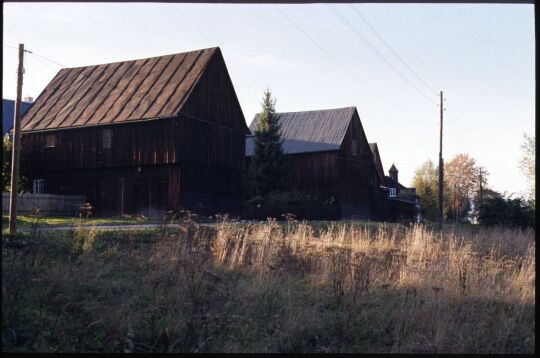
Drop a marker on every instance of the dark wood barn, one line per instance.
(379, 204)
(392, 201)
(329, 156)
(404, 204)
(160, 133)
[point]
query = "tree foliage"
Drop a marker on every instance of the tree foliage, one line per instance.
(527, 162)
(7, 147)
(267, 171)
(500, 211)
(426, 179)
(461, 181)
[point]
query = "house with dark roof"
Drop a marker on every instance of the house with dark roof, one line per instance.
(392, 200)
(141, 136)
(8, 112)
(404, 204)
(329, 156)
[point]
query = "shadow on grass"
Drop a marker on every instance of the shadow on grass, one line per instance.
(164, 291)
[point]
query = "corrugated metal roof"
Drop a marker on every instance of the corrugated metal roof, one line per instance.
(310, 131)
(117, 92)
(8, 112)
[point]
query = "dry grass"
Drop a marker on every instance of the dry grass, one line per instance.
(271, 288)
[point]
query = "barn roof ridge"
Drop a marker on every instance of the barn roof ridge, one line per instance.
(312, 111)
(142, 58)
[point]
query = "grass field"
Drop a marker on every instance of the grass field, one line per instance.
(265, 287)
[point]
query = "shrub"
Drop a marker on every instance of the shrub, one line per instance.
(501, 211)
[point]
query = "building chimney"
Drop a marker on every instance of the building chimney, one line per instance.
(393, 173)
(28, 99)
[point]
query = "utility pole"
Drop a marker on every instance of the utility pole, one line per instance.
(16, 146)
(441, 169)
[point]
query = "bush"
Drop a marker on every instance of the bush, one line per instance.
(256, 200)
(500, 211)
(291, 197)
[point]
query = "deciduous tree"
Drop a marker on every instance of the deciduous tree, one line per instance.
(426, 183)
(527, 162)
(6, 166)
(461, 179)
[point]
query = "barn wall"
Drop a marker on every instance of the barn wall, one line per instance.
(154, 188)
(214, 100)
(141, 143)
(316, 173)
(357, 172)
(184, 163)
(333, 174)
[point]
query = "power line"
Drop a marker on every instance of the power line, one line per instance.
(46, 59)
(371, 47)
(37, 55)
(392, 50)
(43, 62)
(341, 65)
(333, 58)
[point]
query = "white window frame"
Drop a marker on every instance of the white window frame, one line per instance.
(38, 186)
(392, 193)
(107, 138)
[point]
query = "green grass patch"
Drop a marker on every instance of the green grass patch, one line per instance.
(27, 221)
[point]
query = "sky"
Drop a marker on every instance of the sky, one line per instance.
(481, 56)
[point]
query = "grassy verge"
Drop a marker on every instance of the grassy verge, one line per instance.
(27, 221)
(269, 287)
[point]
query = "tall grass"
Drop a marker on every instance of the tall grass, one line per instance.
(267, 287)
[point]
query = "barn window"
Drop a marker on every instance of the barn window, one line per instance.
(392, 193)
(354, 148)
(107, 138)
(50, 141)
(39, 186)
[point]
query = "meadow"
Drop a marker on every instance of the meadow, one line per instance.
(270, 287)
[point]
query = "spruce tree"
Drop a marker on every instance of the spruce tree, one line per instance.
(267, 171)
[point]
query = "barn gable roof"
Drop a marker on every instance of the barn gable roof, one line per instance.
(377, 160)
(310, 131)
(119, 92)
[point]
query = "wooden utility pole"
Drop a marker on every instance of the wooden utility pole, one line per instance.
(441, 169)
(16, 146)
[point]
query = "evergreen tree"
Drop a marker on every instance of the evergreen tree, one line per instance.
(267, 172)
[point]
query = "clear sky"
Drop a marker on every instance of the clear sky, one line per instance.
(481, 56)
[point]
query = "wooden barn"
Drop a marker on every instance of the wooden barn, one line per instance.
(329, 156)
(392, 201)
(379, 204)
(160, 133)
(404, 204)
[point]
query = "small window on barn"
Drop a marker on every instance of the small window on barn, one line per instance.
(107, 138)
(50, 141)
(354, 148)
(392, 193)
(39, 186)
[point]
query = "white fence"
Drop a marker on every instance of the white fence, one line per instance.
(46, 203)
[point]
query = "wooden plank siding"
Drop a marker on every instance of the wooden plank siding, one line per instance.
(177, 129)
(182, 143)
